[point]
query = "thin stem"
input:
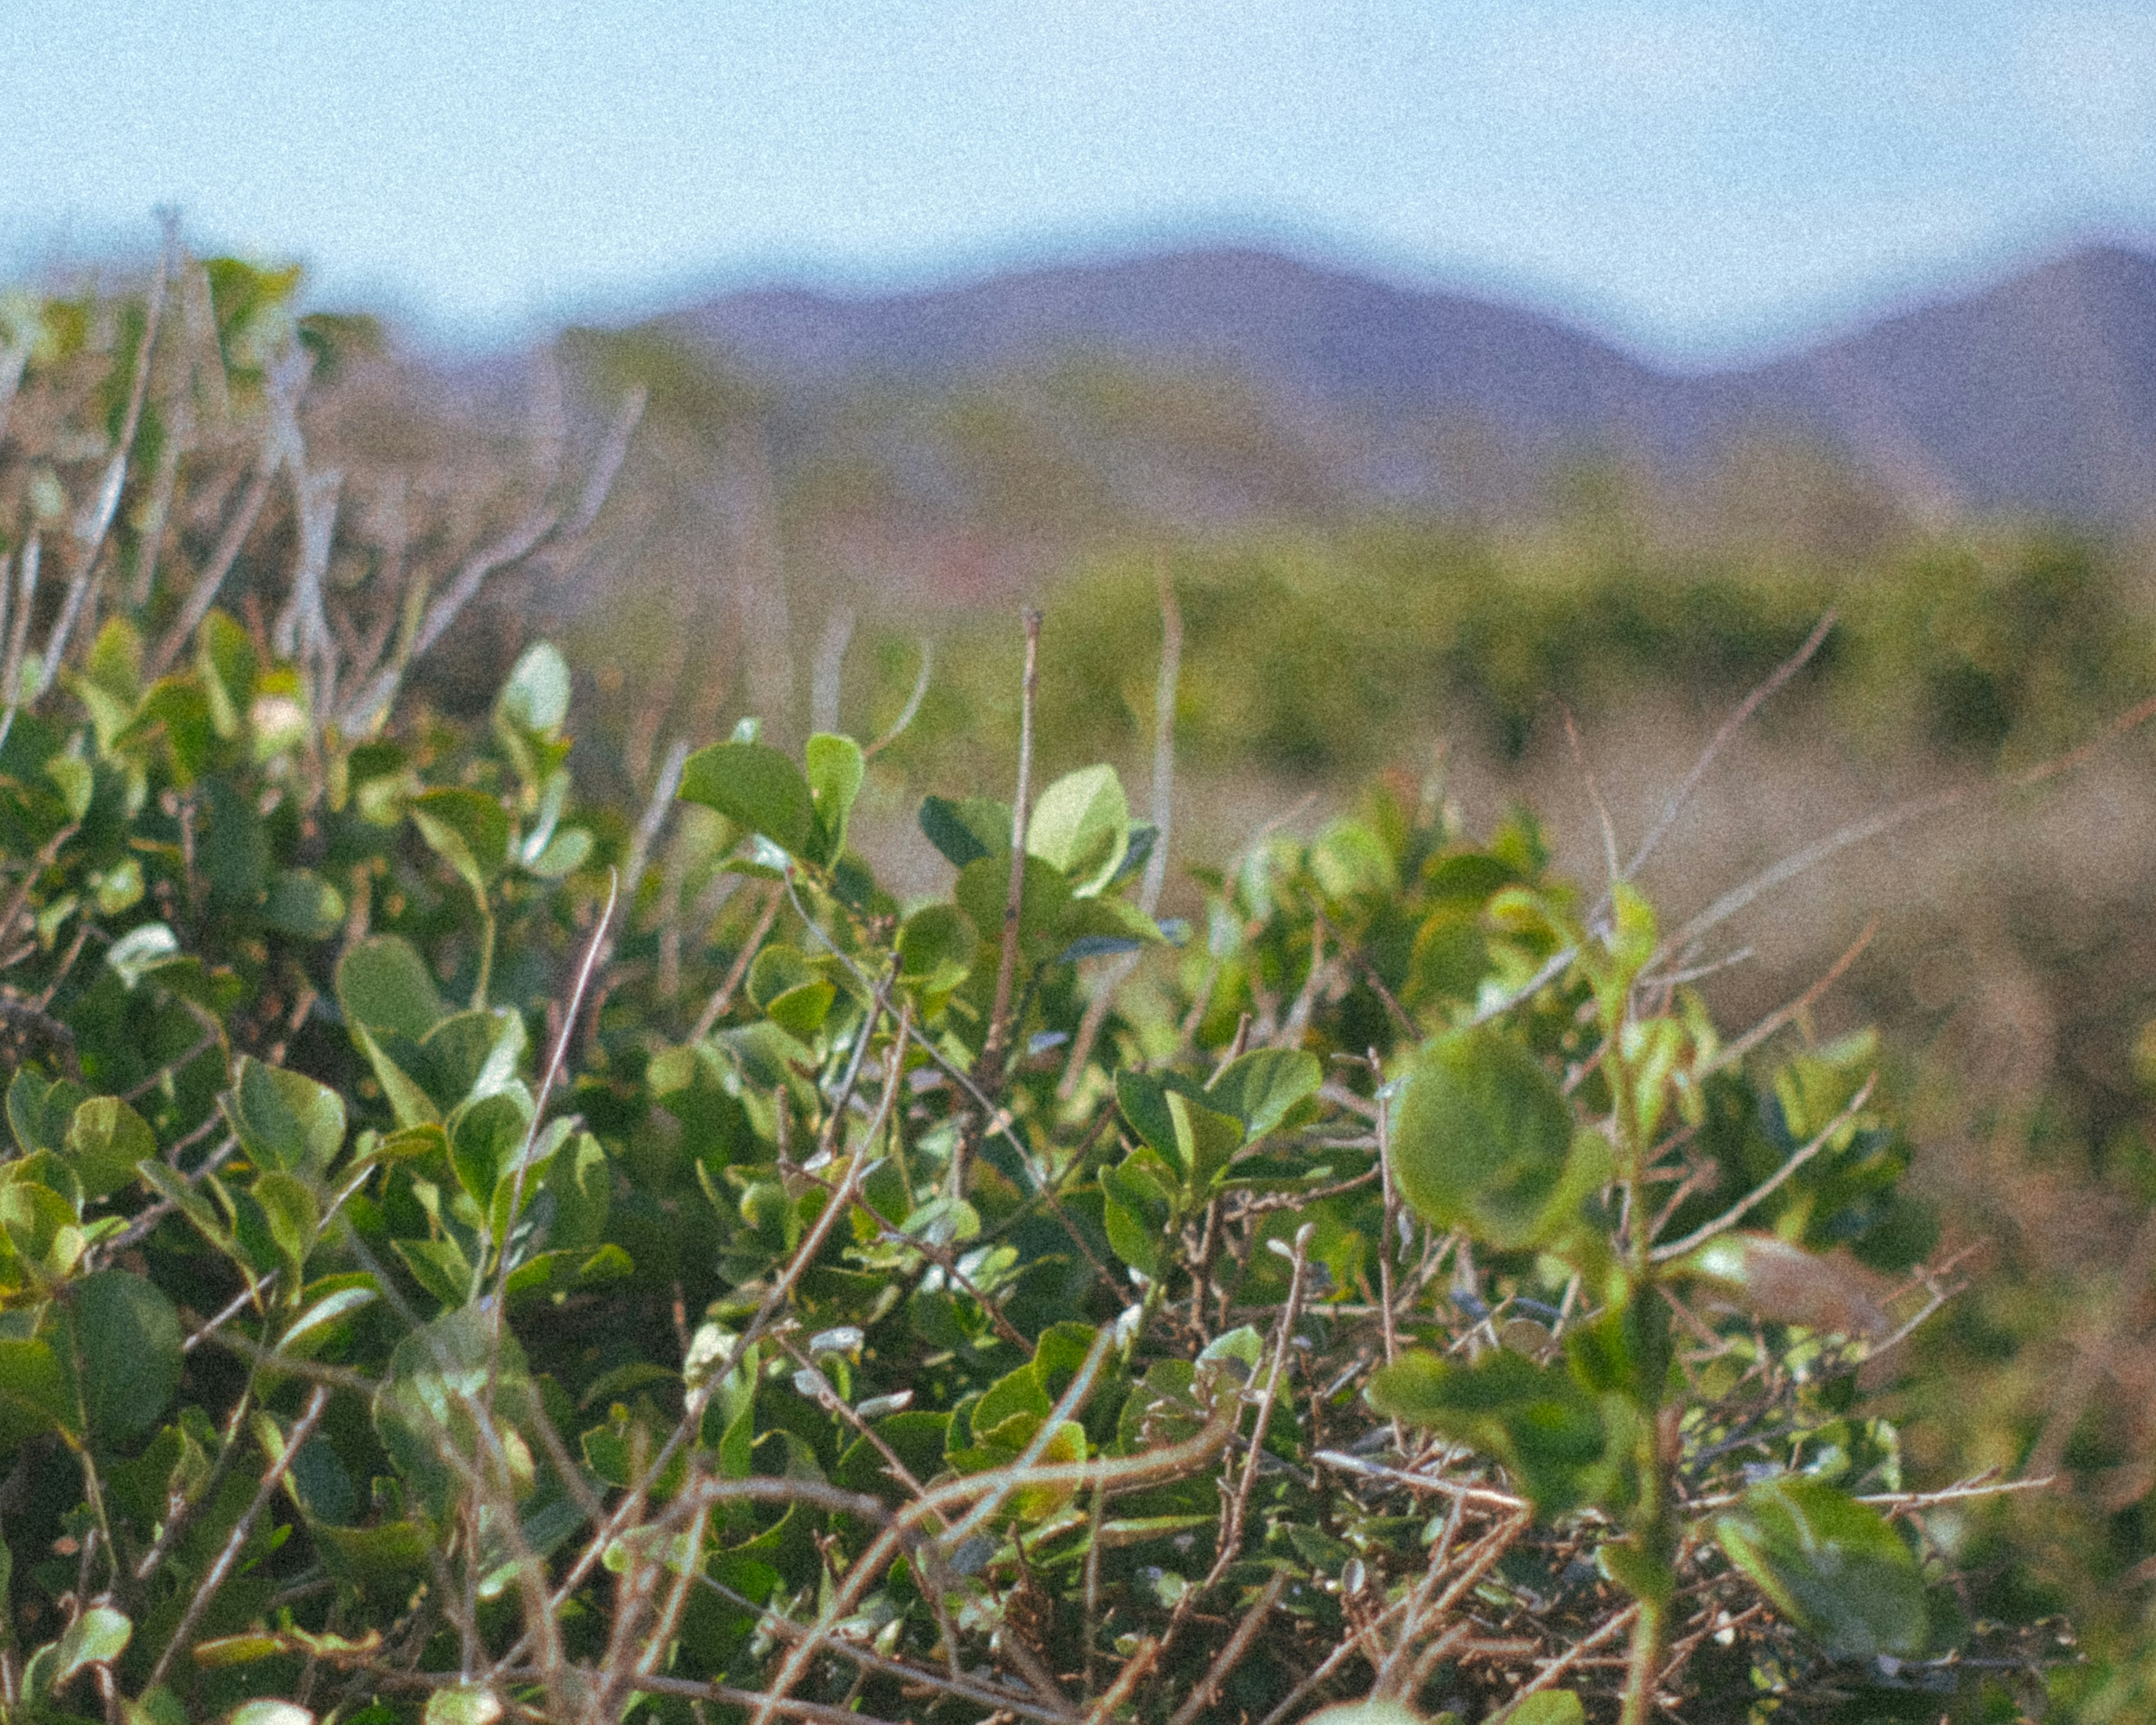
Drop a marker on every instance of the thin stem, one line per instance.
(988, 1070)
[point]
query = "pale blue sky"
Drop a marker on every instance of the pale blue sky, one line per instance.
(1696, 179)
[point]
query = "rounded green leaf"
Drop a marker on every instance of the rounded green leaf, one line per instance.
(563, 853)
(284, 1119)
(983, 889)
(1549, 1707)
(293, 1217)
(39, 1112)
(1481, 1139)
(1206, 1140)
(467, 829)
(142, 950)
(1834, 1566)
(383, 984)
(778, 967)
(467, 1706)
(471, 1054)
(126, 1352)
(268, 1712)
(967, 830)
(535, 698)
(484, 1138)
(800, 1011)
(105, 1141)
(1538, 1422)
(836, 767)
(1365, 1712)
(33, 1391)
(937, 948)
(302, 903)
(97, 1637)
(1080, 827)
(1259, 1088)
(756, 787)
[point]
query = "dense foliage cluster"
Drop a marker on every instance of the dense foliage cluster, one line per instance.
(435, 1283)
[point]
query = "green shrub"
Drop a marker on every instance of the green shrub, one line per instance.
(464, 1251)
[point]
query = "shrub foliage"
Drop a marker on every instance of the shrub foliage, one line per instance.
(436, 1283)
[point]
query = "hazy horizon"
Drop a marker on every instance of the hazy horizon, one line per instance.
(1701, 183)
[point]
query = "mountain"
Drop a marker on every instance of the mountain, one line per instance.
(2035, 394)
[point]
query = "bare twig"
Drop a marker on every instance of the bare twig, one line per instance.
(1759, 1194)
(213, 1578)
(988, 1070)
(1722, 739)
(1231, 1651)
(722, 996)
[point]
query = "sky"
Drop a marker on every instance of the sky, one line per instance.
(1702, 182)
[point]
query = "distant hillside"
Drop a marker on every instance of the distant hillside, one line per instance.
(2035, 394)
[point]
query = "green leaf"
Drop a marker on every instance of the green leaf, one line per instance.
(1483, 1142)
(1080, 827)
(284, 1119)
(1367, 1712)
(1549, 1707)
(302, 903)
(383, 984)
(1542, 1425)
(778, 967)
(224, 657)
(470, 1705)
(425, 1412)
(965, 831)
(581, 1187)
(836, 767)
(983, 889)
(440, 1267)
(293, 1218)
(1259, 1088)
(1205, 1141)
(757, 788)
(564, 853)
(142, 950)
(40, 1222)
(77, 782)
(105, 1141)
(188, 1198)
(267, 1713)
(470, 1055)
(41, 1111)
(800, 1011)
(1834, 1566)
(34, 1395)
(409, 1099)
(97, 1637)
(484, 1138)
(323, 1322)
(935, 949)
(1135, 1214)
(1142, 1096)
(388, 1555)
(126, 1353)
(535, 698)
(467, 829)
